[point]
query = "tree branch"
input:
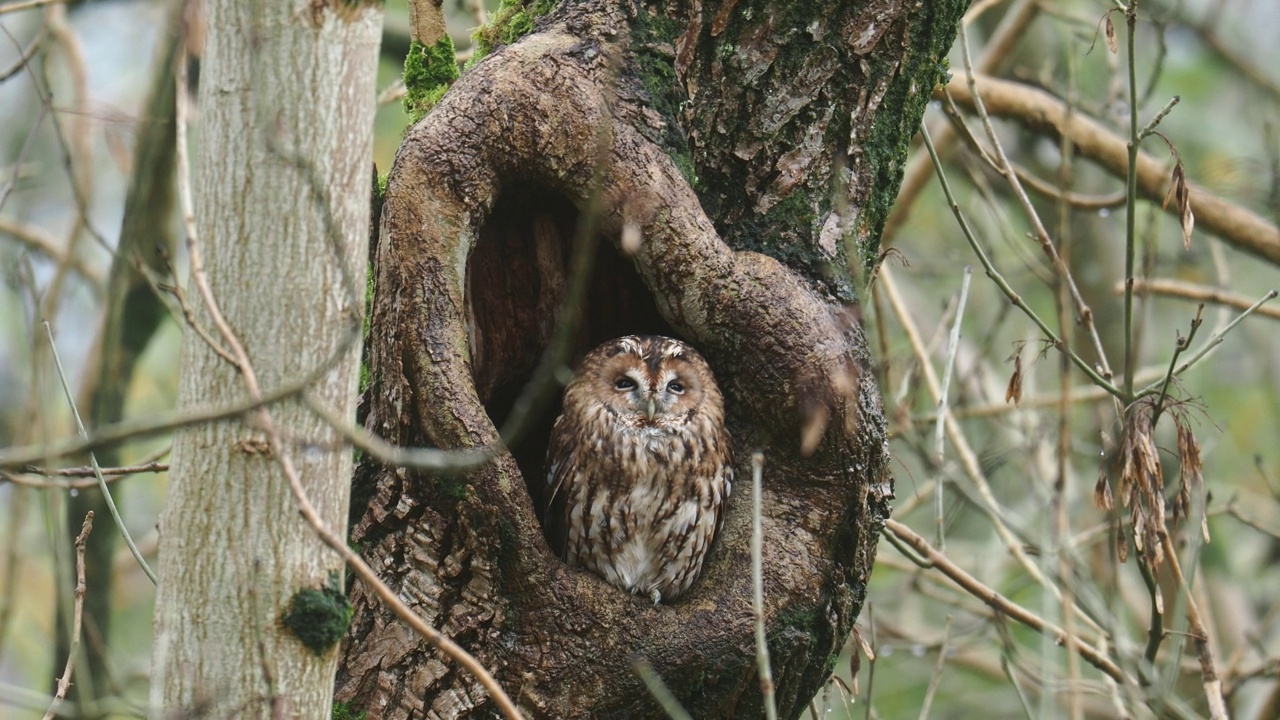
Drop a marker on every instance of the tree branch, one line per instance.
(1045, 113)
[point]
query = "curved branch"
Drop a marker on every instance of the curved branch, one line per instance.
(1043, 112)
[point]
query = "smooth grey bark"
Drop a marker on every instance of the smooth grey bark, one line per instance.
(282, 174)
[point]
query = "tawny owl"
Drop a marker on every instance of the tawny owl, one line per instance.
(639, 466)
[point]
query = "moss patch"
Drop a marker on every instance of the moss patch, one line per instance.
(654, 36)
(344, 711)
(901, 110)
(453, 487)
(319, 618)
(428, 73)
(511, 21)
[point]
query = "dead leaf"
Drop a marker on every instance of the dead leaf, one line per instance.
(1014, 391)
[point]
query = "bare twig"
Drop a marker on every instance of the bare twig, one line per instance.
(1197, 293)
(1204, 651)
(26, 5)
(93, 461)
(936, 678)
(42, 242)
(757, 584)
(87, 478)
(146, 427)
(419, 458)
(1041, 234)
(1209, 345)
(659, 690)
(1100, 378)
(1041, 111)
(1131, 200)
(64, 682)
(1150, 127)
(1180, 345)
(28, 53)
(953, 346)
(1000, 603)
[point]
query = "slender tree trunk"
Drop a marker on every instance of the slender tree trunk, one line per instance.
(738, 160)
(282, 177)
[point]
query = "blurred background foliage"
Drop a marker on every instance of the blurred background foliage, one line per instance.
(937, 650)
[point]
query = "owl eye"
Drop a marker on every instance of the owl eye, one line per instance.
(624, 383)
(676, 387)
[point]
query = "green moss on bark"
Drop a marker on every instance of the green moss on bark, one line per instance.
(428, 73)
(898, 120)
(654, 36)
(511, 21)
(344, 711)
(319, 618)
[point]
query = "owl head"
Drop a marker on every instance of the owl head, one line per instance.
(646, 382)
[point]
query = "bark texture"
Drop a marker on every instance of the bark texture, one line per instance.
(737, 139)
(287, 101)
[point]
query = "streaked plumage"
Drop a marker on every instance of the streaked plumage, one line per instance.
(639, 466)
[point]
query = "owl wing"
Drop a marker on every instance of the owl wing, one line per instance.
(562, 464)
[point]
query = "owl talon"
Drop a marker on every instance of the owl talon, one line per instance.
(657, 597)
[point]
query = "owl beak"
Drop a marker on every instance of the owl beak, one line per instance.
(650, 408)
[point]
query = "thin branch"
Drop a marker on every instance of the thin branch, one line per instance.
(39, 240)
(93, 461)
(1099, 378)
(1179, 347)
(757, 585)
(28, 53)
(953, 346)
(1041, 234)
(1076, 201)
(26, 5)
(117, 433)
(420, 458)
(1151, 126)
(1047, 114)
(936, 678)
(1197, 293)
(1000, 603)
(659, 690)
(1131, 200)
(1236, 513)
(188, 314)
(64, 682)
(1209, 345)
(1204, 651)
(27, 478)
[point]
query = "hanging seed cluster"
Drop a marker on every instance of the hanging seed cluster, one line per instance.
(1142, 486)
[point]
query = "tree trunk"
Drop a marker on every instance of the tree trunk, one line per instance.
(756, 148)
(282, 176)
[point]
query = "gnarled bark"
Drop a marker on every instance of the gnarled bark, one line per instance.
(473, 258)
